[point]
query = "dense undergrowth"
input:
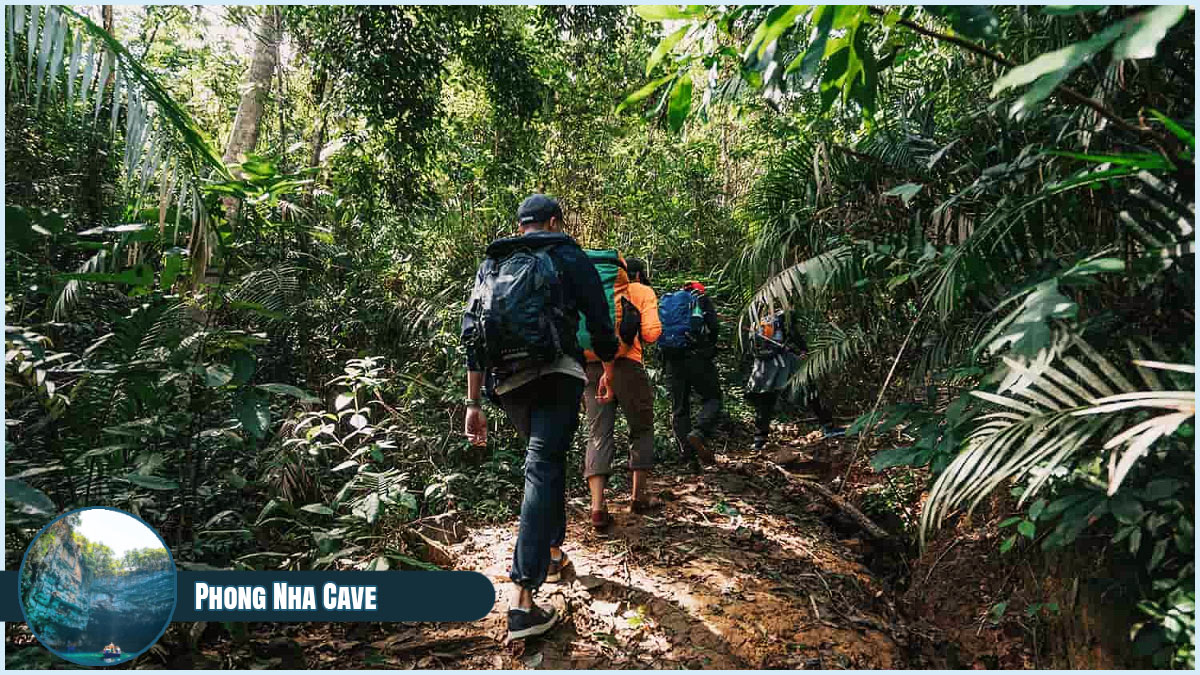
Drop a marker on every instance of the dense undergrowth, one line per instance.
(983, 219)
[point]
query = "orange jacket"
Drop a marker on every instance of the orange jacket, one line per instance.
(642, 297)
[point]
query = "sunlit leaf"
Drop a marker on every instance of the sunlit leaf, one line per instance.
(681, 103)
(1146, 30)
(643, 93)
(664, 47)
(667, 12)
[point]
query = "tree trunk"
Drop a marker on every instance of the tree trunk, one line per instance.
(318, 141)
(246, 124)
(244, 136)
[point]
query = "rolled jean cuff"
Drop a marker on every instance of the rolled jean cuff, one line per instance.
(527, 584)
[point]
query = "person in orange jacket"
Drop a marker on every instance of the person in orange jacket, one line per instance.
(637, 323)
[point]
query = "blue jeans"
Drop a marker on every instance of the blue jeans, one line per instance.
(546, 414)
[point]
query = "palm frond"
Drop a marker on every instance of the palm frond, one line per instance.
(158, 131)
(274, 289)
(829, 349)
(802, 283)
(70, 294)
(1050, 413)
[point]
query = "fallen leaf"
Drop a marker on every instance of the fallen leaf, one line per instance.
(605, 608)
(589, 582)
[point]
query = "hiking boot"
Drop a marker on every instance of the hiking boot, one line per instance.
(554, 572)
(528, 623)
(760, 442)
(831, 431)
(601, 520)
(696, 441)
(644, 505)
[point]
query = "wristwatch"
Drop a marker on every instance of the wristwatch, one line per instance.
(473, 402)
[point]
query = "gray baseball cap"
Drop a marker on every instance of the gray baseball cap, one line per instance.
(538, 208)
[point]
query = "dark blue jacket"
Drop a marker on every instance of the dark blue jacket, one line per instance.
(583, 293)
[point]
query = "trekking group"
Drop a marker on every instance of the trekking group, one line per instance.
(549, 324)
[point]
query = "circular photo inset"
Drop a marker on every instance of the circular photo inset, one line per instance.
(97, 586)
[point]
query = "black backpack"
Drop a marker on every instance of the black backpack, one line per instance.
(517, 307)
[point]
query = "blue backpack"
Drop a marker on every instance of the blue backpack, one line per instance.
(681, 318)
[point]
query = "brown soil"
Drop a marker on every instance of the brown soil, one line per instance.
(736, 570)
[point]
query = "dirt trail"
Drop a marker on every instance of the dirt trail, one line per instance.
(737, 570)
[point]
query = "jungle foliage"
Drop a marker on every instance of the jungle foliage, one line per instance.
(982, 217)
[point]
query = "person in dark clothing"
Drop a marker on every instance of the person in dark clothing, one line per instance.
(639, 272)
(542, 401)
(777, 353)
(689, 370)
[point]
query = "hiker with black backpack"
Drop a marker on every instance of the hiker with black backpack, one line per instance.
(777, 352)
(635, 312)
(688, 347)
(519, 331)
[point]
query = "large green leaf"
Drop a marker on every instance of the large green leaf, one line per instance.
(863, 81)
(244, 363)
(254, 412)
(809, 62)
(668, 12)
(891, 457)
(681, 103)
(1145, 30)
(1051, 68)
(27, 499)
(776, 23)
(976, 22)
(664, 47)
(643, 93)
(171, 267)
(1025, 329)
(905, 192)
(1138, 36)
(151, 482)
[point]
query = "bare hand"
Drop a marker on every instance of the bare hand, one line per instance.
(476, 426)
(604, 392)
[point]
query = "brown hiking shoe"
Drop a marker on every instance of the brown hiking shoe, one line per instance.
(696, 440)
(601, 520)
(554, 573)
(645, 505)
